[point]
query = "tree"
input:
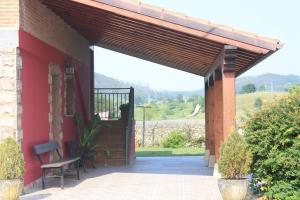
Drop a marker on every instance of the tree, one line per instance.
(248, 88)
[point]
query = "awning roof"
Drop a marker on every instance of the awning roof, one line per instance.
(161, 36)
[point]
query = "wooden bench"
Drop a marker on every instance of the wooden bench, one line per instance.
(52, 146)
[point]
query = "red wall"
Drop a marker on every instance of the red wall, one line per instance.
(36, 57)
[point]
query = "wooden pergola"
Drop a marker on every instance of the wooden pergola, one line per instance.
(216, 52)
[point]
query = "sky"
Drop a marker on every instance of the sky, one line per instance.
(272, 18)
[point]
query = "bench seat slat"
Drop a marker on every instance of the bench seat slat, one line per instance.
(60, 163)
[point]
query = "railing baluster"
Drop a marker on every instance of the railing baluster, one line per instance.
(117, 105)
(101, 102)
(98, 101)
(113, 106)
(121, 98)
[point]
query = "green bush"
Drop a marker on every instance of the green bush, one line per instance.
(174, 140)
(235, 157)
(11, 161)
(195, 142)
(273, 135)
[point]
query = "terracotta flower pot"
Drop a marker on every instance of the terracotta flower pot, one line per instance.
(233, 189)
(10, 189)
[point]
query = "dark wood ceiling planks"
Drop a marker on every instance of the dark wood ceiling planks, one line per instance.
(143, 32)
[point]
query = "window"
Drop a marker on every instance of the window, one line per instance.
(69, 96)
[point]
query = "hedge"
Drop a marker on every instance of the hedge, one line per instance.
(273, 136)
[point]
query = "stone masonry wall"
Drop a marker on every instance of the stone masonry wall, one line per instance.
(9, 14)
(10, 66)
(10, 93)
(155, 131)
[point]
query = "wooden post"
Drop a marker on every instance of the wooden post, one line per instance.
(220, 101)
(207, 153)
(144, 121)
(211, 117)
(92, 97)
(218, 111)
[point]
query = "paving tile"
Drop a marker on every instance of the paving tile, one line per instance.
(151, 178)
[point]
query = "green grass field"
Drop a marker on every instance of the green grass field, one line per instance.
(159, 151)
(169, 110)
(176, 110)
(246, 102)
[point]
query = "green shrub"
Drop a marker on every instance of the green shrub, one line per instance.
(235, 157)
(11, 161)
(174, 140)
(195, 142)
(273, 135)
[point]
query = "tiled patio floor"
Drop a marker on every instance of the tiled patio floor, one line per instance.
(159, 178)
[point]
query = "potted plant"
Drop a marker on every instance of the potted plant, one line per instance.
(124, 111)
(87, 134)
(234, 164)
(107, 154)
(11, 170)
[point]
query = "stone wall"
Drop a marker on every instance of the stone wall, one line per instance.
(155, 131)
(10, 64)
(9, 14)
(10, 91)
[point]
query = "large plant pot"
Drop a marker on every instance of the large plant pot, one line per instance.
(232, 189)
(10, 189)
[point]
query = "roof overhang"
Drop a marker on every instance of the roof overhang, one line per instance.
(160, 36)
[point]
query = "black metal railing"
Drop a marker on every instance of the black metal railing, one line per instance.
(108, 101)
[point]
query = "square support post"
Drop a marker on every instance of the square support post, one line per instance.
(210, 125)
(220, 102)
(92, 82)
(207, 152)
(218, 111)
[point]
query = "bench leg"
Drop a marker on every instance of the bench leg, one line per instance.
(83, 165)
(43, 178)
(93, 162)
(62, 177)
(77, 166)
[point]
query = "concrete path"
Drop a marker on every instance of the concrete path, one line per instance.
(155, 178)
